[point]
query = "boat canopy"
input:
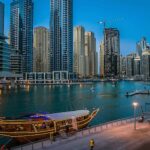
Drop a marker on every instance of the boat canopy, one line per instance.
(63, 115)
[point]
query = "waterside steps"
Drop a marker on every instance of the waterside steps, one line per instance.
(138, 92)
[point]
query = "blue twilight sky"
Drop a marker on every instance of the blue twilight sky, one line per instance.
(131, 17)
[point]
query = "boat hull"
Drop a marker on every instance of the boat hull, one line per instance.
(27, 137)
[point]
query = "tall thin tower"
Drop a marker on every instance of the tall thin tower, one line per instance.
(111, 52)
(21, 31)
(61, 35)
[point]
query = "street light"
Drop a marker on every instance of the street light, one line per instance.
(135, 104)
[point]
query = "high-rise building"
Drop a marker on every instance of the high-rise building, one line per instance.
(130, 65)
(61, 35)
(140, 46)
(4, 47)
(111, 52)
(15, 62)
(26, 16)
(87, 57)
(96, 63)
(123, 64)
(4, 55)
(102, 59)
(79, 51)
(146, 64)
(90, 54)
(21, 31)
(137, 66)
(1, 18)
(15, 39)
(41, 50)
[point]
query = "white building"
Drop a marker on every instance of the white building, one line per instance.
(90, 54)
(79, 51)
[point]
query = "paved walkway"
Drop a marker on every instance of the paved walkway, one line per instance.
(122, 137)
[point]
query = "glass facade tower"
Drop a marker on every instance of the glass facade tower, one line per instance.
(111, 52)
(61, 35)
(4, 47)
(1, 18)
(21, 31)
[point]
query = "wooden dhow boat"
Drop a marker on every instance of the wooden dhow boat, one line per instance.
(39, 126)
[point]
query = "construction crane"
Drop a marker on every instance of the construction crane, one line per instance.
(104, 22)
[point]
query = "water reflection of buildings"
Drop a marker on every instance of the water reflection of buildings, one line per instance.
(27, 88)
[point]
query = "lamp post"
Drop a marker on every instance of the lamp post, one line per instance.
(135, 104)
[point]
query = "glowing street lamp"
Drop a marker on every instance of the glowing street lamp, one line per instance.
(135, 104)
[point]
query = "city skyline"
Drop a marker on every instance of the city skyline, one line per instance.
(126, 16)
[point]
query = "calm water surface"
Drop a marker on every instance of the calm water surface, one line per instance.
(110, 99)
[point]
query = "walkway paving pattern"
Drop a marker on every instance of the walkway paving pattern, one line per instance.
(122, 137)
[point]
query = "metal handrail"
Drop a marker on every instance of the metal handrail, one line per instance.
(81, 133)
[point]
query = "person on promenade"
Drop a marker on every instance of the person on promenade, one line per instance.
(92, 144)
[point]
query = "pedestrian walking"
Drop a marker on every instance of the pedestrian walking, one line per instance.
(92, 144)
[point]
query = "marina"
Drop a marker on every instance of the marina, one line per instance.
(53, 99)
(62, 98)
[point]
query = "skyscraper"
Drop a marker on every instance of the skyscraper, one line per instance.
(15, 38)
(111, 52)
(4, 55)
(41, 50)
(130, 65)
(96, 62)
(26, 16)
(137, 66)
(79, 51)
(141, 46)
(102, 59)
(21, 31)
(123, 66)
(4, 47)
(90, 54)
(146, 64)
(1, 18)
(61, 35)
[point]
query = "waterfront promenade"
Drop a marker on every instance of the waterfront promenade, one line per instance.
(119, 135)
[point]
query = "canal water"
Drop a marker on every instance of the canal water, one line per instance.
(109, 98)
